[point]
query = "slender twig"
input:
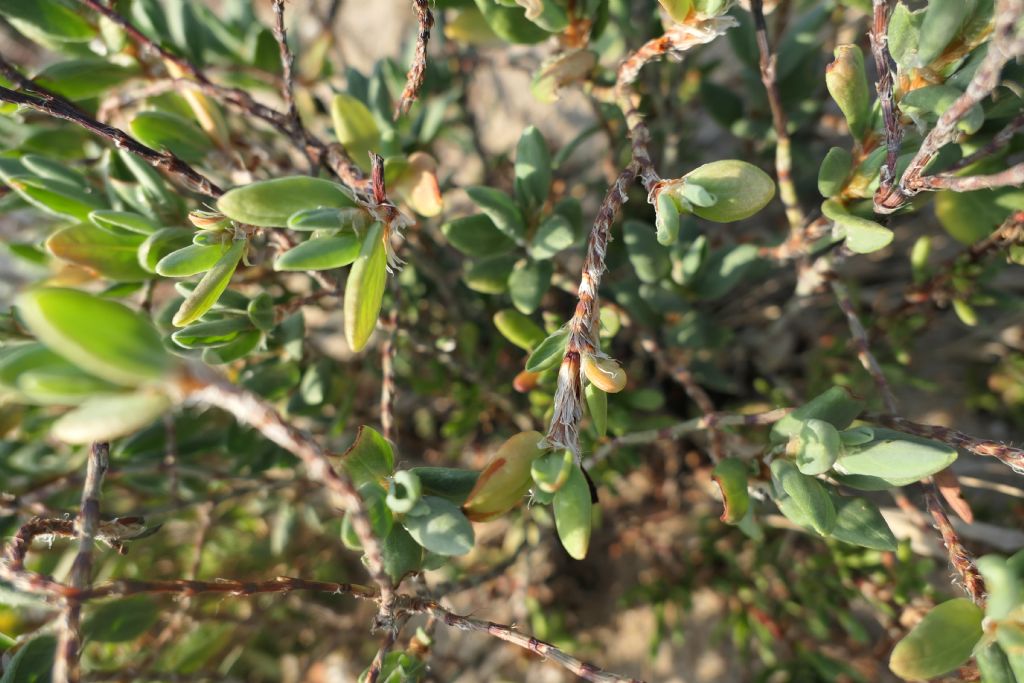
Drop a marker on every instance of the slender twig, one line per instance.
(696, 424)
(885, 67)
(681, 374)
(960, 558)
(165, 160)
(937, 286)
(298, 131)
(783, 153)
(252, 410)
(414, 79)
(860, 340)
(376, 667)
(283, 584)
(1010, 177)
(998, 141)
(333, 156)
(1010, 455)
(387, 371)
(66, 666)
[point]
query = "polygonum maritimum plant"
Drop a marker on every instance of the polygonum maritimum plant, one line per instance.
(289, 320)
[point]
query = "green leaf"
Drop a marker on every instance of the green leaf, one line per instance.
(270, 203)
(401, 554)
(244, 344)
(650, 261)
(364, 289)
(943, 20)
(57, 197)
(837, 406)
(103, 418)
(190, 260)
(440, 527)
(549, 353)
(213, 333)
(476, 236)
(489, 275)
(381, 519)
(355, 128)
(532, 169)
(903, 33)
(862, 236)
(597, 408)
(120, 621)
(210, 288)
(502, 211)
(505, 478)
(859, 522)
(941, 642)
(971, 216)
(848, 85)
(550, 472)
(369, 459)
(510, 23)
(79, 79)
(892, 459)
(404, 491)
(528, 282)
(572, 507)
(678, 10)
(835, 169)
(330, 219)
(112, 256)
(731, 476)
(931, 101)
(552, 236)
(1003, 584)
(725, 269)
(518, 329)
(666, 220)
(446, 482)
(993, 665)
(35, 374)
(47, 21)
(741, 189)
(261, 312)
(321, 253)
(119, 221)
(816, 447)
(164, 130)
(32, 662)
(100, 336)
(160, 244)
(804, 493)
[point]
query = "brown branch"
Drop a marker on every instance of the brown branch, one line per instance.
(937, 287)
(66, 663)
(783, 147)
(414, 79)
(387, 371)
(1011, 177)
(681, 374)
(998, 141)
(697, 424)
(960, 558)
(879, 35)
(1006, 44)
(283, 584)
(860, 340)
(60, 108)
(298, 131)
(332, 156)
(1009, 455)
(247, 408)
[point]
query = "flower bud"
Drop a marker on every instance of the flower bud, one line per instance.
(505, 479)
(605, 373)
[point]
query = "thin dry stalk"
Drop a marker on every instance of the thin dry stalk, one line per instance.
(414, 79)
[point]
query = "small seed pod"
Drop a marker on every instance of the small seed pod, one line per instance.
(605, 373)
(505, 479)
